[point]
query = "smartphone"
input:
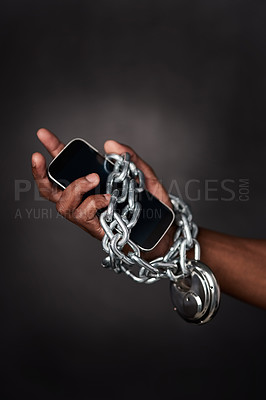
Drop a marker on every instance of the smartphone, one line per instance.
(78, 158)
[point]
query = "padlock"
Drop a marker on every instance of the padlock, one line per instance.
(215, 294)
(196, 297)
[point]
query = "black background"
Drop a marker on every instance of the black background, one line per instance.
(183, 83)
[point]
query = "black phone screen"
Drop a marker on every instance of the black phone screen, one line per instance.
(78, 159)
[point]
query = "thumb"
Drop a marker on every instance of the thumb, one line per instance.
(111, 146)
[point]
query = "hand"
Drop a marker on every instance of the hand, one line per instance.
(83, 213)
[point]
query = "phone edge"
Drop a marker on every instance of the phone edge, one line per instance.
(169, 226)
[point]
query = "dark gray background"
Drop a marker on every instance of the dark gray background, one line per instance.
(183, 83)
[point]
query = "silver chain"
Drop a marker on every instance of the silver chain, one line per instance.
(117, 227)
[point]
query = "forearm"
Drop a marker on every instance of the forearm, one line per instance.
(239, 265)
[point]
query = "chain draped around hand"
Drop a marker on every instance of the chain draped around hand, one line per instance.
(117, 227)
(194, 290)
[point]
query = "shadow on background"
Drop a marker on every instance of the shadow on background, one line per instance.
(183, 84)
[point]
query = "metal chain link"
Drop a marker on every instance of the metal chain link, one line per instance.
(124, 184)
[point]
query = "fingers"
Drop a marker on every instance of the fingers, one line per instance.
(72, 195)
(50, 141)
(46, 188)
(86, 214)
(54, 146)
(111, 146)
(70, 204)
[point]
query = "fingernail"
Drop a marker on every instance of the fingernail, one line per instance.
(107, 196)
(92, 178)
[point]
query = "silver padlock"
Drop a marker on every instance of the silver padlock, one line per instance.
(215, 294)
(196, 297)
